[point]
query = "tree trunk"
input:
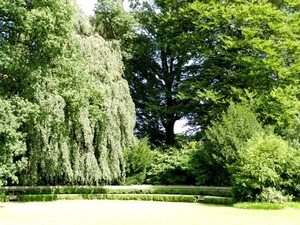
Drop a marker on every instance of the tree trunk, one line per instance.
(170, 135)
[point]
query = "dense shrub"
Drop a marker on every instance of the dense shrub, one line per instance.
(170, 167)
(217, 200)
(34, 190)
(174, 191)
(205, 170)
(94, 190)
(4, 197)
(37, 198)
(69, 197)
(174, 198)
(223, 138)
(93, 196)
(138, 160)
(266, 161)
(129, 197)
(149, 197)
(271, 195)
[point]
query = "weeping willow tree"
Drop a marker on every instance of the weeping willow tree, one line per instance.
(83, 115)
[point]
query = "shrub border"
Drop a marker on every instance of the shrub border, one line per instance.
(134, 189)
(134, 192)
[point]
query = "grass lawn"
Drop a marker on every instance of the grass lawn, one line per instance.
(109, 212)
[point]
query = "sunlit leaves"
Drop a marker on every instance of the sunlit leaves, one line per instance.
(81, 116)
(246, 47)
(12, 141)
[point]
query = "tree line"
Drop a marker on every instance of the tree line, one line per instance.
(230, 69)
(77, 93)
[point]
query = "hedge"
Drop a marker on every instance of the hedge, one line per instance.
(135, 192)
(4, 197)
(37, 198)
(217, 200)
(150, 197)
(138, 189)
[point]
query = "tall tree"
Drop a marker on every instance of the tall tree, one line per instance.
(248, 52)
(32, 33)
(113, 22)
(191, 58)
(157, 68)
(83, 115)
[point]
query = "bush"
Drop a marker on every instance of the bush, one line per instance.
(271, 195)
(217, 200)
(57, 190)
(129, 197)
(93, 196)
(205, 170)
(69, 197)
(138, 160)
(65, 191)
(266, 161)
(149, 197)
(37, 198)
(4, 197)
(223, 139)
(171, 167)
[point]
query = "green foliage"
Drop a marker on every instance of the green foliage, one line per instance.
(156, 69)
(111, 20)
(12, 141)
(33, 34)
(94, 196)
(62, 191)
(266, 161)
(138, 159)
(69, 197)
(4, 197)
(143, 197)
(189, 59)
(37, 198)
(223, 139)
(81, 117)
(217, 200)
(247, 51)
(170, 167)
(182, 191)
(292, 133)
(58, 190)
(204, 169)
(271, 195)
(228, 135)
(129, 197)
(174, 198)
